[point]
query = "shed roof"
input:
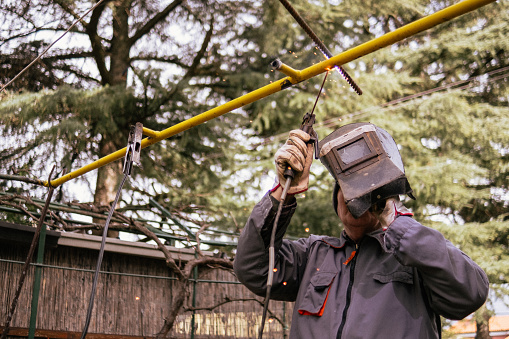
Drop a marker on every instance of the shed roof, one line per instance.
(10, 232)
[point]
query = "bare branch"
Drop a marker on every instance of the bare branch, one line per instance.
(22, 179)
(26, 211)
(228, 300)
(171, 60)
(16, 200)
(76, 72)
(237, 228)
(37, 30)
(154, 21)
(68, 56)
(221, 263)
(67, 9)
(190, 72)
(197, 238)
(170, 262)
(97, 48)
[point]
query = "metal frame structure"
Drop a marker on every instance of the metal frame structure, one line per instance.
(293, 77)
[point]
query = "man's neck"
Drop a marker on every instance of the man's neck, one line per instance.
(357, 233)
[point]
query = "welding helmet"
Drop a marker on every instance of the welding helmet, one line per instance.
(365, 161)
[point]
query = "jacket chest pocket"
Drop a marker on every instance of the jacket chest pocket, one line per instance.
(401, 274)
(316, 294)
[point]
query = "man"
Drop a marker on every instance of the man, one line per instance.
(387, 276)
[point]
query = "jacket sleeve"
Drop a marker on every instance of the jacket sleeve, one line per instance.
(455, 284)
(252, 257)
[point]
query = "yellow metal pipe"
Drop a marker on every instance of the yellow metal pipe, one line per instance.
(150, 133)
(399, 34)
(305, 74)
(287, 70)
(180, 127)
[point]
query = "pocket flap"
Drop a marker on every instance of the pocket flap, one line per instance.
(398, 276)
(321, 280)
(316, 295)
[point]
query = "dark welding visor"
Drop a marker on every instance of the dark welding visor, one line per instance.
(365, 161)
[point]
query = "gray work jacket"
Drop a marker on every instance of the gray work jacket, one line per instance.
(393, 284)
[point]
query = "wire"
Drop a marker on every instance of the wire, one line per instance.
(407, 99)
(100, 259)
(51, 45)
(272, 255)
(320, 91)
(396, 102)
(289, 174)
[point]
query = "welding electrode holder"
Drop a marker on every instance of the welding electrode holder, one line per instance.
(307, 126)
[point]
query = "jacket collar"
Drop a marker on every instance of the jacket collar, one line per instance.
(336, 242)
(378, 235)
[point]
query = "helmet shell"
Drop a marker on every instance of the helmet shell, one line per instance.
(365, 161)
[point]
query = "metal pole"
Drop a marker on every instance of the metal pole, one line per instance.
(319, 43)
(37, 284)
(390, 38)
(193, 317)
(26, 266)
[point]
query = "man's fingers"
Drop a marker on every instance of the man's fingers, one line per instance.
(298, 142)
(298, 133)
(290, 155)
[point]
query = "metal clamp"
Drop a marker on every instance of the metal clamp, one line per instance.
(132, 153)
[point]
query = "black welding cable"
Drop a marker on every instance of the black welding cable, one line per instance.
(289, 174)
(272, 253)
(100, 259)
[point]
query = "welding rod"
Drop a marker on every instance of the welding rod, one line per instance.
(320, 44)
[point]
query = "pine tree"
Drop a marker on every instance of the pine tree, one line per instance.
(150, 62)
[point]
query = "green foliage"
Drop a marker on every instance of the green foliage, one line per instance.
(54, 125)
(313, 218)
(170, 77)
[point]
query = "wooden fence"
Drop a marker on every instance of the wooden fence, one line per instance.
(134, 294)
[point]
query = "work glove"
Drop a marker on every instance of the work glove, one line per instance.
(393, 209)
(297, 154)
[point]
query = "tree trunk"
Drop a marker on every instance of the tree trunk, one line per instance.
(120, 46)
(180, 294)
(482, 318)
(108, 179)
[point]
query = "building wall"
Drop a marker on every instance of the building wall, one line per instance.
(132, 298)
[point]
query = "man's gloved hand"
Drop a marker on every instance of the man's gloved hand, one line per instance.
(393, 209)
(299, 156)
